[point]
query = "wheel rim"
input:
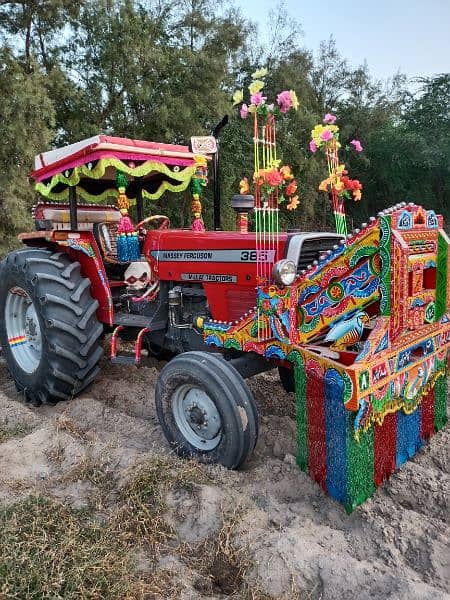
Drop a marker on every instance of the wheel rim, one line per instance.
(196, 417)
(23, 329)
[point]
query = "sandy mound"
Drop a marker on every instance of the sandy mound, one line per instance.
(270, 530)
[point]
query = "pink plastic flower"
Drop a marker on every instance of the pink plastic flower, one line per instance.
(328, 118)
(244, 111)
(313, 146)
(357, 145)
(326, 135)
(257, 99)
(284, 100)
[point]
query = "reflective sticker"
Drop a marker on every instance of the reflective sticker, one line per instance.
(18, 340)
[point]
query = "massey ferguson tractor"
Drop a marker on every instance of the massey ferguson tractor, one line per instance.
(358, 326)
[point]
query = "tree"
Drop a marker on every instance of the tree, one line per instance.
(26, 121)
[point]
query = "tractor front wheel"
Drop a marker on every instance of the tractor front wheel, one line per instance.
(49, 330)
(206, 410)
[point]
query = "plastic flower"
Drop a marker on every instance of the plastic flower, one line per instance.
(238, 96)
(256, 86)
(259, 176)
(273, 177)
(294, 99)
(323, 187)
(291, 188)
(286, 173)
(259, 73)
(244, 111)
(326, 135)
(244, 186)
(257, 99)
(293, 203)
(328, 118)
(357, 145)
(284, 101)
(313, 146)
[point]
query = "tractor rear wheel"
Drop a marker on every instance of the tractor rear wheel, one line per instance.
(206, 410)
(49, 330)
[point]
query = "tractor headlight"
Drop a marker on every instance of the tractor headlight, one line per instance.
(284, 272)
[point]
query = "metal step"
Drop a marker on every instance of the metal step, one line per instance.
(132, 320)
(125, 359)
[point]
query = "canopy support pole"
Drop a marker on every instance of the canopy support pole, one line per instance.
(139, 201)
(73, 208)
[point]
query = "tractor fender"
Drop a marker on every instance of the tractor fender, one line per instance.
(81, 247)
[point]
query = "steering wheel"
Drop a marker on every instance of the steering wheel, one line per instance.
(165, 221)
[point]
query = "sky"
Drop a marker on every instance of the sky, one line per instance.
(411, 36)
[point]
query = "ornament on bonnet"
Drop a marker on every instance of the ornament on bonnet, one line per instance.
(127, 238)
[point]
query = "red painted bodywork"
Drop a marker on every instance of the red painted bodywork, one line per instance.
(91, 267)
(227, 300)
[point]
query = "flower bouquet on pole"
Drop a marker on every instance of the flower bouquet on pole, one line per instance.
(325, 136)
(273, 183)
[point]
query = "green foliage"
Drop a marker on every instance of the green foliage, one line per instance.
(26, 119)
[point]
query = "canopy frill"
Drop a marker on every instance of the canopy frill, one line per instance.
(91, 165)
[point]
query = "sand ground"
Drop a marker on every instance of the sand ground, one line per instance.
(298, 543)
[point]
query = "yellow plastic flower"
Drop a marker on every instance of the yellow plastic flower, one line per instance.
(274, 163)
(323, 187)
(244, 187)
(294, 99)
(338, 185)
(316, 133)
(259, 73)
(238, 97)
(251, 108)
(256, 86)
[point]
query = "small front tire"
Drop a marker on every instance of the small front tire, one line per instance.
(206, 410)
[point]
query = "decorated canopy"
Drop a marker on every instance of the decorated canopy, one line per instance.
(92, 164)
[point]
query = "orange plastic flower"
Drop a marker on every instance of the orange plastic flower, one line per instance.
(259, 176)
(293, 203)
(356, 195)
(244, 187)
(323, 187)
(286, 173)
(291, 188)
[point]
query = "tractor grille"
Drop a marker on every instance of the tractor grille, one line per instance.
(312, 249)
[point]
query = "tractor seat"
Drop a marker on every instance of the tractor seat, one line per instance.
(106, 237)
(54, 215)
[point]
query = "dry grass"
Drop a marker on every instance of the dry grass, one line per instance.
(50, 551)
(141, 513)
(221, 563)
(9, 433)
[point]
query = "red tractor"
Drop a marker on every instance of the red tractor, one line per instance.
(80, 275)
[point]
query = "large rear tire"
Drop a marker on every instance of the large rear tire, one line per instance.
(206, 410)
(49, 330)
